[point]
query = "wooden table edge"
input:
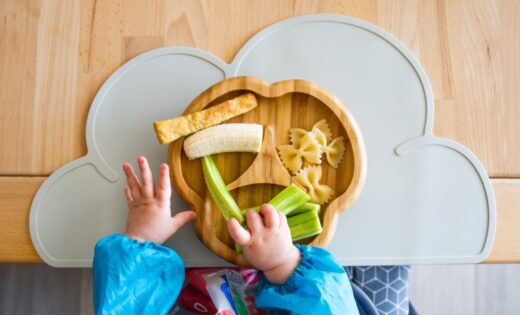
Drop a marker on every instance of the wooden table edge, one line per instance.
(16, 194)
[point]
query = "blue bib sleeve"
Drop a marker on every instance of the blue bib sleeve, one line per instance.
(319, 285)
(131, 277)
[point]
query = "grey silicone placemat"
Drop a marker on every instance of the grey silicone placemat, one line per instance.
(426, 199)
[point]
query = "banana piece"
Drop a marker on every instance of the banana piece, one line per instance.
(224, 138)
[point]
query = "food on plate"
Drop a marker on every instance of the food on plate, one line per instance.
(300, 201)
(319, 136)
(308, 178)
(238, 248)
(170, 130)
(335, 151)
(320, 129)
(304, 225)
(296, 134)
(303, 222)
(292, 155)
(224, 138)
(308, 206)
(302, 217)
(289, 199)
(324, 128)
(218, 190)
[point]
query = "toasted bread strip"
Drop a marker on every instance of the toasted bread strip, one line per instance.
(172, 129)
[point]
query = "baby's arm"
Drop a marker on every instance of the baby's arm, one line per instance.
(298, 278)
(133, 274)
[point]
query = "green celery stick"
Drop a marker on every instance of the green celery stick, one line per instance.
(308, 206)
(301, 218)
(218, 190)
(289, 199)
(238, 248)
(304, 225)
(244, 211)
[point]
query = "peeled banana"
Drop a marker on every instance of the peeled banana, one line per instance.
(224, 138)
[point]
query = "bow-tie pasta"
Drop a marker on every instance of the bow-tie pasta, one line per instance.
(310, 145)
(308, 178)
(324, 128)
(296, 134)
(334, 150)
(306, 147)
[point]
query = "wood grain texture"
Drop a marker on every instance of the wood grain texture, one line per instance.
(506, 248)
(279, 109)
(266, 167)
(39, 56)
(52, 67)
(54, 56)
(16, 194)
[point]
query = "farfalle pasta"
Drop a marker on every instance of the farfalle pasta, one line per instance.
(308, 178)
(310, 145)
(305, 147)
(323, 126)
(334, 150)
(296, 134)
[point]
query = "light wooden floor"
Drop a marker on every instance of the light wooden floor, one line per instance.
(446, 290)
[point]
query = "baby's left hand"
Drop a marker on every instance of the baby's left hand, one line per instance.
(149, 217)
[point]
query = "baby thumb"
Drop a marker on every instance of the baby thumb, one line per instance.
(182, 218)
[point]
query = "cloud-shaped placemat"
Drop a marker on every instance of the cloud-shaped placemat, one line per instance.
(426, 199)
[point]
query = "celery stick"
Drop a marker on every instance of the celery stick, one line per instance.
(244, 211)
(301, 218)
(289, 199)
(238, 248)
(308, 206)
(218, 190)
(304, 225)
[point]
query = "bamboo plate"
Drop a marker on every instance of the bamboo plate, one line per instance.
(255, 178)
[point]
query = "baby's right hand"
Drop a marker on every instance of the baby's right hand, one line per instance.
(267, 245)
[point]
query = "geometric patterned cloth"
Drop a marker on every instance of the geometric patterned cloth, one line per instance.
(386, 286)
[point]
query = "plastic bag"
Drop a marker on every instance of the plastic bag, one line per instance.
(243, 283)
(220, 291)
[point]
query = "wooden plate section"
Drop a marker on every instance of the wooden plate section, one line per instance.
(256, 178)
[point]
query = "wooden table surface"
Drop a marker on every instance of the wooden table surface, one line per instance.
(54, 56)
